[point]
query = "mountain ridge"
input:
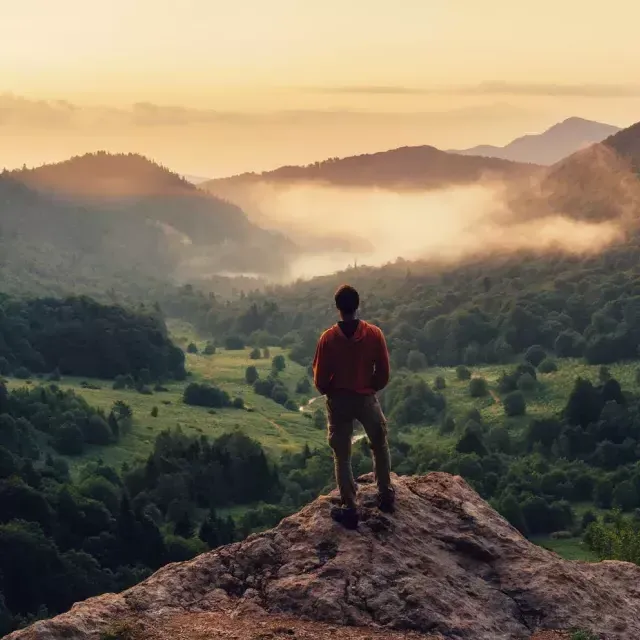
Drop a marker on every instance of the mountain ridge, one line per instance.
(444, 565)
(550, 146)
(422, 166)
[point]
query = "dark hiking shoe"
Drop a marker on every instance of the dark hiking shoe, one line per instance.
(347, 517)
(387, 501)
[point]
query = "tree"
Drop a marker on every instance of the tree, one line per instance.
(234, 343)
(255, 354)
(603, 493)
(463, 373)
(303, 386)
(319, 419)
(251, 374)
(478, 387)
(535, 354)
(278, 364)
(514, 404)
(510, 509)
(416, 361)
(266, 354)
(547, 366)
(526, 383)
(625, 496)
(604, 375)
(439, 383)
(471, 441)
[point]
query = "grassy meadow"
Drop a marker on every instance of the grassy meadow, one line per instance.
(275, 427)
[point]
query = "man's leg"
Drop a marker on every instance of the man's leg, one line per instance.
(340, 434)
(375, 426)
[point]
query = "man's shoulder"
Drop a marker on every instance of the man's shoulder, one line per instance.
(327, 334)
(373, 328)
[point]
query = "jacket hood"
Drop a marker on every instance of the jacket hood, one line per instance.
(362, 330)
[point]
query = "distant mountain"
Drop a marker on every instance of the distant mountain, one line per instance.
(550, 146)
(598, 183)
(104, 220)
(421, 167)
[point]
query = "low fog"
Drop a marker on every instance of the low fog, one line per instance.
(336, 227)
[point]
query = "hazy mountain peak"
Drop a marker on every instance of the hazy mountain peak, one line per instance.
(105, 174)
(550, 146)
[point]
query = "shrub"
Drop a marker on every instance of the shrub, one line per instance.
(192, 348)
(234, 343)
(478, 387)
(547, 366)
(251, 374)
(535, 355)
(463, 373)
(120, 382)
(238, 403)
(278, 364)
(526, 383)
(416, 360)
(439, 383)
(514, 404)
(255, 354)
(319, 419)
(22, 373)
(448, 425)
(209, 349)
(303, 386)
(266, 354)
(154, 412)
(204, 395)
(604, 375)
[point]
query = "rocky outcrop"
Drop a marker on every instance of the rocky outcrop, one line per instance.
(444, 566)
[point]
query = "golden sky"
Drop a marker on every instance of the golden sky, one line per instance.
(527, 63)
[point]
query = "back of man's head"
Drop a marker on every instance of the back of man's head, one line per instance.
(347, 300)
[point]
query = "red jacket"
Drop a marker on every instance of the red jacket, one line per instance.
(358, 364)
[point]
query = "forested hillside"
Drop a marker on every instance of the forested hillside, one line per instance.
(422, 167)
(104, 221)
(487, 310)
(78, 336)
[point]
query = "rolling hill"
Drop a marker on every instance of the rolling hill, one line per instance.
(422, 167)
(550, 146)
(102, 220)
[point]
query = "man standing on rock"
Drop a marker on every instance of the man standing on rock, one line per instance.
(351, 365)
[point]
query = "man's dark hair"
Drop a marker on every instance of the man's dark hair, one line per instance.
(347, 299)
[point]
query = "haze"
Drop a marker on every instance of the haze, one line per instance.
(341, 227)
(211, 88)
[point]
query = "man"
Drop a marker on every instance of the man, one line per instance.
(351, 365)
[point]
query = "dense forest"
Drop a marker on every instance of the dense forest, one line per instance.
(487, 310)
(67, 538)
(80, 337)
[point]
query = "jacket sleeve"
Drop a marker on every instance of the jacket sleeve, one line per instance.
(322, 373)
(382, 370)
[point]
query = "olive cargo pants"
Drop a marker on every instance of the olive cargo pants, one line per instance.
(342, 411)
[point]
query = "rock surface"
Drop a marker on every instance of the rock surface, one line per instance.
(444, 566)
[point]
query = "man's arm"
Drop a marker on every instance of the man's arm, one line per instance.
(322, 367)
(381, 373)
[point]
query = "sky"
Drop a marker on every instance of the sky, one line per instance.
(251, 84)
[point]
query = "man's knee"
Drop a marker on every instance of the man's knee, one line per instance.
(378, 436)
